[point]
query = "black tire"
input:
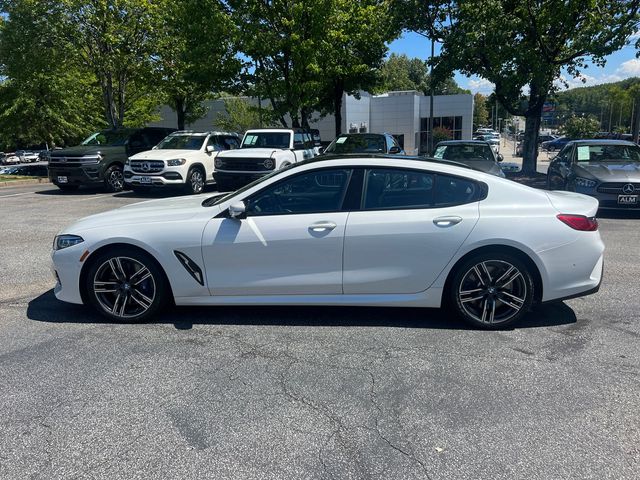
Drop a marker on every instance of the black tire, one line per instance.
(114, 179)
(68, 188)
(195, 181)
(492, 290)
(125, 284)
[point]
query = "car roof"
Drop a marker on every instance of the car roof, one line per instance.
(365, 156)
(209, 132)
(462, 142)
(601, 142)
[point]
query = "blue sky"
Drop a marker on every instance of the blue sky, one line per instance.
(620, 65)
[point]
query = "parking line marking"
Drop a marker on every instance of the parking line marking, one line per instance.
(16, 194)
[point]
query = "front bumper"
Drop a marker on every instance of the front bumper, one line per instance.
(608, 201)
(163, 179)
(87, 175)
(66, 267)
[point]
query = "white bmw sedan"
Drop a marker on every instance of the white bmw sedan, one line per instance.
(371, 231)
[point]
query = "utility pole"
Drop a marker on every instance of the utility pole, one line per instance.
(430, 137)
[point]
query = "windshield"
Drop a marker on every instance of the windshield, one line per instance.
(108, 137)
(266, 140)
(608, 153)
(462, 153)
(357, 144)
(182, 142)
(217, 199)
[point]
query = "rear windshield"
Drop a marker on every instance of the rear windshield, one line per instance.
(357, 144)
(182, 142)
(608, 153)
(463, 152)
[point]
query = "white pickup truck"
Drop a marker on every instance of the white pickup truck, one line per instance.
(262, 151)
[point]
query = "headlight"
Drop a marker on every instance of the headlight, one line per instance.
(585, 182)
(219, 163)
(176, 162)
(127, 161)
(268, 164)
(64, 241)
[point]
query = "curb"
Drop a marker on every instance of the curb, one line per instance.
(34, 181)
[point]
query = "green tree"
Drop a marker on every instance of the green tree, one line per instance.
(116, 40)
(241, 115)
(524, 46)
(480, 112)
(351, 51)
(196, 55)
(581, 127)
(44, 96)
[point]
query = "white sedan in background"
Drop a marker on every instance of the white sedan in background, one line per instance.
(378, 231)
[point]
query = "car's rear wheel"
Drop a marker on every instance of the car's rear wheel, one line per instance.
(195, 181)
(125, 284)
(492, 290)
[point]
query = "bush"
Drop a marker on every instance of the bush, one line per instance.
(581, 127)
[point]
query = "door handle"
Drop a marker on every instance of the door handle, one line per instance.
(447, 221)
(322, 226)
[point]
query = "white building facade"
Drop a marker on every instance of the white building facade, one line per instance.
(403, 114)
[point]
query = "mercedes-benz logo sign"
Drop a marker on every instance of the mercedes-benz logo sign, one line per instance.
(628, 189)
(146, 167)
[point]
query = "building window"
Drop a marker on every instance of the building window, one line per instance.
(452, 124)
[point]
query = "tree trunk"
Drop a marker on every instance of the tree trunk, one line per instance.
(635, 125)
(338, 91)
(180, 111)
(531, 130)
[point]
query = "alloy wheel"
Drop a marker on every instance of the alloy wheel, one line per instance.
(197, 181)
(124, 287)
(116, 180)
(492, 292)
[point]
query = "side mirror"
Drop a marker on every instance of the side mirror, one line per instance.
(210, 148)
(238, 210)
(500, 157)
(394, 150)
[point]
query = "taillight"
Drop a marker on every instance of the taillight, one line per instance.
(579, 222)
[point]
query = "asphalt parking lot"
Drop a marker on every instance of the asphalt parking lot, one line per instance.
(284, 393)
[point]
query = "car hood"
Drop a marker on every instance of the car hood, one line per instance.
(163, 154)
(163, 210)
(82, 150)
(610, 171)
(249, 152)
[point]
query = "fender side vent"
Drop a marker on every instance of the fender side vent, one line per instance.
(191, 267)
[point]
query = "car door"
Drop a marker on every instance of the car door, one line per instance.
(410, 225)
(560, 168)
(290, 242)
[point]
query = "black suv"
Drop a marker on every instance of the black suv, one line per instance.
(99, 160)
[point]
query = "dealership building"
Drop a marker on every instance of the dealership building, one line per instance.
(404, 114)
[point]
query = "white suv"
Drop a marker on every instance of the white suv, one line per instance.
(183, 158)
(262, 151)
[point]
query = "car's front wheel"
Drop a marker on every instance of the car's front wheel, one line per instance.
(114, 179)
(492, 290)
(125, 284)
(195, 181)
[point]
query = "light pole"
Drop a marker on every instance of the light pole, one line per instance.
(430, 137)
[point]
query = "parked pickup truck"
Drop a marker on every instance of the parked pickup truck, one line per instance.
(183, 159)
(262, 151)
(99, 160)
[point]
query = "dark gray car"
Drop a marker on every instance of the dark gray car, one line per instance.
(476, 154)
(608, 170)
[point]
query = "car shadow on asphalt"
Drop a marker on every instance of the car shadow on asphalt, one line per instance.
(619, 214)
(46, 308)
(54, 191)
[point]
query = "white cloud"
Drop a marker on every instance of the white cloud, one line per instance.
(480, 85)
(630, 68)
